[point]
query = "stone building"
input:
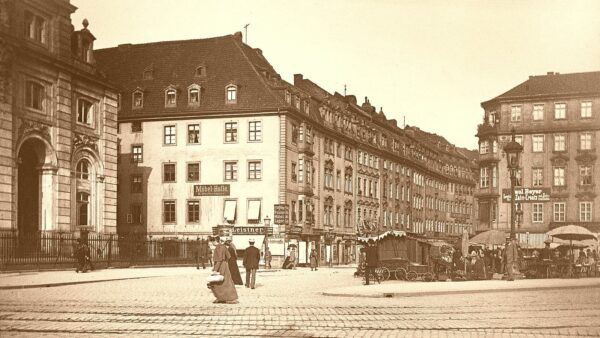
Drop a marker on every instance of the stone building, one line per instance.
(57, 124)
(556, 118)
(212, 138)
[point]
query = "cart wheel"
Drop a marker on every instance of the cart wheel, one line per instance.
(411, 276)
(428, 277)
(379, 272)
(400, 274)
(385, 273)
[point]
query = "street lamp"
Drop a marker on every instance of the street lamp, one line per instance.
(267, 221)
(512, 150)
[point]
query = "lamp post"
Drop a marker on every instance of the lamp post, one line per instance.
(512, 150)
(267, 221)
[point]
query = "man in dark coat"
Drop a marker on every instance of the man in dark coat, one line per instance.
(251, 258)
(372, 259)
(511, 254)
(233, 267)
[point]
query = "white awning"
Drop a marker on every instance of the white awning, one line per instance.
(253, 210)
(229, 210)
(241, 241)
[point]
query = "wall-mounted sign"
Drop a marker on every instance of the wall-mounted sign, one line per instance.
(282, 214)
(211, 190)
(238, 230)
(527, 195)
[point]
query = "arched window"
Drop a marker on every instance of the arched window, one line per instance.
(231, 92)
(194, 95)
(83, 170)
(137, 99)
(83, 204)
(170, 97)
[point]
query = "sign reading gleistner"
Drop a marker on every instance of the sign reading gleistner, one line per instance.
(282, 212)
(527, 195)
(211, 190)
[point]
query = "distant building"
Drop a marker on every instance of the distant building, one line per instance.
(57, 125)
(556, 118)
(212, 138)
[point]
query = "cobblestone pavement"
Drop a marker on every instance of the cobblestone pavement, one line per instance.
(288, 303)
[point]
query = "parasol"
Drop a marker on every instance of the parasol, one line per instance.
(572, 233)
(490, 237)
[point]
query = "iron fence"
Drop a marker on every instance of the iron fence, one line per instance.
(51, 250)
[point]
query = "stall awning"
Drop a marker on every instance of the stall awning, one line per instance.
(241, 241)
(397, 233)
(229, 210)
(253, 210)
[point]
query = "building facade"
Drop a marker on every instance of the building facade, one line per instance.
(58, 125)
(556, 119)
(212, 138)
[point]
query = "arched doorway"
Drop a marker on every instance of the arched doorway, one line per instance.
(30, 160)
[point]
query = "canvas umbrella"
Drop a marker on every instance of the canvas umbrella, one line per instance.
(490, 237)
(572, 233)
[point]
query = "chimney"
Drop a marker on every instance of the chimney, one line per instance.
(258, 50)
(298, 78)
(238, 35)
(550, 73)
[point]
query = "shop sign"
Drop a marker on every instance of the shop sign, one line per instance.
(240, 230)
(282, 212)
(527, 195)
(211, 190)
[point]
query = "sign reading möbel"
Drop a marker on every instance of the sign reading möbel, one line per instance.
(211, 190)
(527, 195)
(282, 212)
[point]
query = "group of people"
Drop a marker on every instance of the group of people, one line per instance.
(482, 262)
(83, 256)
(225, 263)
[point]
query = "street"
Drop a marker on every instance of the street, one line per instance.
(289, 303)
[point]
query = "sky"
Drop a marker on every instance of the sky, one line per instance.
(429, 62)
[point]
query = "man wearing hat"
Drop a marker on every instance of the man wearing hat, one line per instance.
(251, 258)
(511, 253)
(546, 252)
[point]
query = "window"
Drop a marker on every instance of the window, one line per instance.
(148, 74)
(193, 211)
(518, 178)
(537, 177)
(519, 139)
(170, 98)
(83, 206)
(35, 28)
(200, 71)
(85, 112)
(193, 133)
(537, 214)
(170, 136)
(585, 211)
(254, 170)
(136, 213)
(137, 154)
(585, 175)
(538, 112)
(301, 170)
(585, 141)
(136, 183)
(138, 99)
(230, 211)
(484, 147)
(538, 143)
(193, 172)
(560, 111)
(515, 113)
(338, 180)
(559, 143)
(294, 134)
(231, 132)
(231, 171)
(255, 131)
(34, 95)
(194, 96)
(82, 170)
(559, 176)
(169, 211)
(168, 172)
(293, 172)
(494, 146)
(485, 178)
(288, 97)
(494, 176)
(254, 211)
(231, 94)
(559, 211)
(586, 109)
(136, 127)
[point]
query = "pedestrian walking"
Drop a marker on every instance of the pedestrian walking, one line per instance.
(268, 258)
(292, 259)
(313, 260)
(224, 291)
(251, 259)
(286, 261)
(372, 259)
(200, 254)
(80, 256)
(233, 265)
(511, 255)
(209, 255)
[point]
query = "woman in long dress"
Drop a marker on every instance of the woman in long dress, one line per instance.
(224, 292)
(313, 260)
(233, 267)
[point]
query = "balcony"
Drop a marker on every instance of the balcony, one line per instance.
(489, 158)
(486, 129)
(305, 148)
(586, 155)
(305, 189)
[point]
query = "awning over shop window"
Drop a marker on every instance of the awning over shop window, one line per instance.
(241, 241)
(229, 210)
(253, 210)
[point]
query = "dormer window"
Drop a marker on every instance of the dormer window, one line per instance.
(194, 95)
(288, 97)
(200, 71)
(297, 102)
(138, 99)
(170, 97)
(36, 28)
(306, 107)
(231, 92)
(148, 74)
(85, 112)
